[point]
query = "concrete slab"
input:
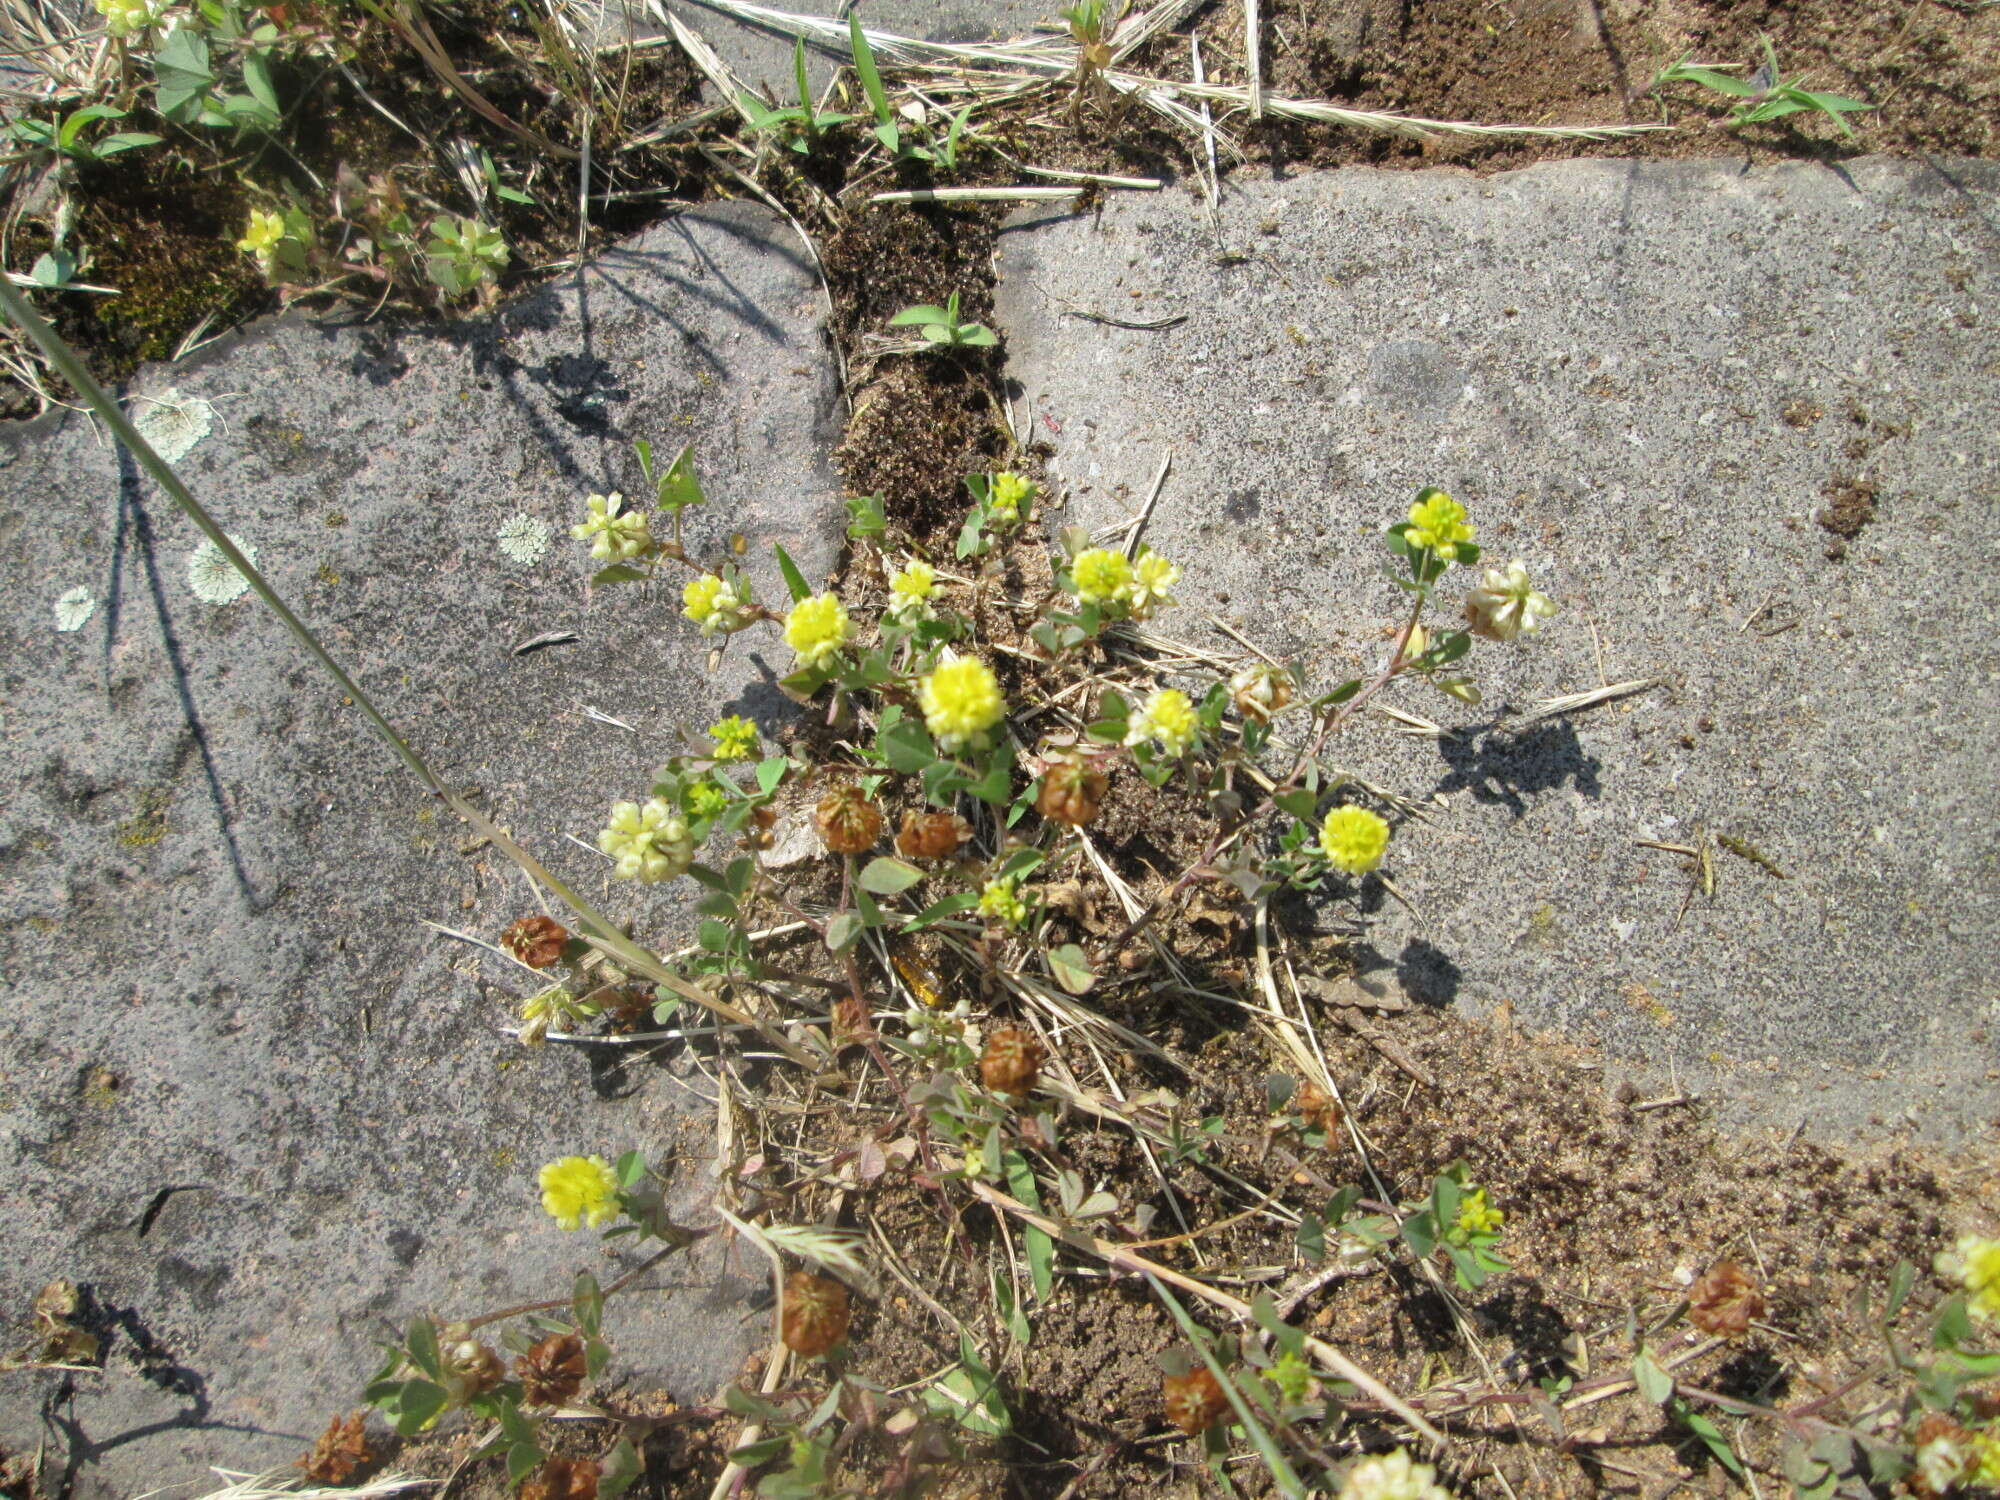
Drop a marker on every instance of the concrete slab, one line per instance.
(247, 1099)
(1647, 381)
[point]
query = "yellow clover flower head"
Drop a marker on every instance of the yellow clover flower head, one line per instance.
(961, 701)
(648, 844)
(1354, 839)
(1005, 496)
(1168, 720)
(1438, 522)
(911, 588)
(735, 738)
(1100, 575)
(123, 18)
(1505, 604)
(816, 628)
(1476, 1216)
(705, 799)
(1988, 1443)
(613, 532)
(1974, 1263)
(1152, 576)
(264, 231)
(700, 599)
(1000, 902)
(576, 1189)
(1392, 1476)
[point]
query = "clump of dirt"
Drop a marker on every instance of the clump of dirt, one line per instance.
(1850, 505)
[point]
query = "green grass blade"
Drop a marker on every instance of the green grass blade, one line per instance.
(864, 64)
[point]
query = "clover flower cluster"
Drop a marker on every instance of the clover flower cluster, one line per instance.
(961, 700)
(1974, 1264)
(1168, 721)
(911, 589)
(1392, 1476)
(817, 628)
(1353, 839)
(735, 738)
(580, 1189)
(615, 534)
(720, 603)
(123, 18)
(648, 844)
(1006, 494)
(1130, 587)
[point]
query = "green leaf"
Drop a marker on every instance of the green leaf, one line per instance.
(423, 1347)
(618, 1470)
(799, 77)
(906, 745)
(997, 782)
(630, 1169)
(943, 781)
(843, 932)
(1900, 1281)
(1020, 862)
(866, 518)
(925, 314)
(885, 876)
(795, 581)
(938, 911)
(864, 64)
(1300, 803)
(1654, 1383)
(618, 573)
(1420, 1232)
(587, 1302)
(126, 140)
(678, 489)
(522, 1460)
(976, 335)
(1072, 970)
(257, 79)
(1711, 1435)
(414, 1406)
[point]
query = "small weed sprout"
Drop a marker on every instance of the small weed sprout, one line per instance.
(799, 127)
(941, 326)
(68, 136)
(465, 257)
(1765, 94)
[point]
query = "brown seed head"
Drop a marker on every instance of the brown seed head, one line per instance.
(851, 1021)
(1194, 1400)
(563, 1479)
(1725, 1301)
(815, 1315)
(848, 822)
(931, 835)
(1010, 1061)
(1071, 793)
(341, 1453)
(1317, 1107)
(537, 941)
(471, 1369)
(552, 1371)
(1984, 1404)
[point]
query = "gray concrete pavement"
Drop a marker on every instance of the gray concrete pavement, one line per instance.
(247, 1097)
(1647, 382)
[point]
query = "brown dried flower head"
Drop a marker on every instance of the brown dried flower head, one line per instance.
(537, 941)
(1725, 1301)
(851, 1021)
(471, 1369)
(1317, 1107)
(563, 1479)
(341, 1453)
(1072, 792)
(1947, 1460)
(815, 1314)
(1194, 1400)
(1010, 1061)
(552, 1371)
(848, 822)
(931, 835)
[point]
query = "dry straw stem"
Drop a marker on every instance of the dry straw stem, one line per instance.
(276, 1486)
(1570, 703)
(1025, 193)
(1342, 1367)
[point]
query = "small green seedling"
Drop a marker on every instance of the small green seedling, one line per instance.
(67, 140)
(940, 326)
(1765, 93)
(799, 126)
(925, 148)
(464, 255)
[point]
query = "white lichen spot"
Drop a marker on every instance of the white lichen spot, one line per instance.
(212, 576)
(523, 539)
(73, 607)
(173, 423)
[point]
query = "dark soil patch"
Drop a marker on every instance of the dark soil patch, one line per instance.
(1932, 70)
